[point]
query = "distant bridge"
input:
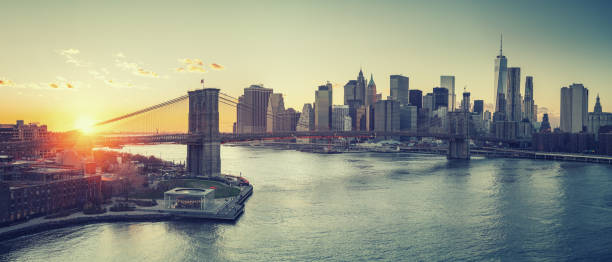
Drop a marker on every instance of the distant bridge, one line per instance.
(203, 137)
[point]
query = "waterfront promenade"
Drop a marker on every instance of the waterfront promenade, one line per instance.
(230, 210)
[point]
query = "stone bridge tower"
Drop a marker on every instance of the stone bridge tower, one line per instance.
(459, 139)
(203, 155)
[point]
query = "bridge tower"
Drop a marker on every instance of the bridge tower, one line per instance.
(203, 155)
(459, 139)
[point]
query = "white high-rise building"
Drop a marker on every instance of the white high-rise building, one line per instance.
(500, 84)
(306, 121)
(339, 117)
(574, 108)
(448, 82)
(276, 107)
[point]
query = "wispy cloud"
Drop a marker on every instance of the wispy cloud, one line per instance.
(133, 67)
(71, 57)
(119, 84)
(103, 75)
(216, 66)
(191, 65)
(61, 83)
(6, 82)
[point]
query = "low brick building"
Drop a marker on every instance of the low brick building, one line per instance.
(45, 190)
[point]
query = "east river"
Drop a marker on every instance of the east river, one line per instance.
(364, 207)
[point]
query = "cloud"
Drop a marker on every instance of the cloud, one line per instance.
(58, 83)
(194, 65)
(70, 51)
(6, 82)
(70, 55)
(62, 82)
(216, 66)
(103, 75)
(118, 84)
(135, 68)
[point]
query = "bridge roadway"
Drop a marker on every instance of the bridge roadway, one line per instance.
(512, 153)
(184, 138)
(231, 137)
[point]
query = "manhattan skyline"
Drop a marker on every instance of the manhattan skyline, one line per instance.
(73, 60)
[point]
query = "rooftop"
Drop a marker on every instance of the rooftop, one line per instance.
(189, 191)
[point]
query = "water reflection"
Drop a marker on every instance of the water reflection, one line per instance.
(366, 207)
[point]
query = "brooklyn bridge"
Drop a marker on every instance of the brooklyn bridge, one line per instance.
(203, 138)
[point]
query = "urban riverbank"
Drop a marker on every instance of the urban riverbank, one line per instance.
(230, 212)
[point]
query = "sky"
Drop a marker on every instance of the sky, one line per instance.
(66, 62)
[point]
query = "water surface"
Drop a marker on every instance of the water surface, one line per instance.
(363, 207)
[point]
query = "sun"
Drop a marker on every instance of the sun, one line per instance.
(85, 124)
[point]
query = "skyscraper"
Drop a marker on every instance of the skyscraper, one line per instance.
(323, 107)
(408, 118)
(528, 104)
(478, 106)
(349, 91)
(428, 103)
(440, 97)
(289, 119)
(341, 121)
(513, 95)
(371, 91)
(574, 107)
(276, 108)
(598, 118)
(252, 110)
(448, 82)
(387, 115)
(306, 121)
(415, 98)
(369, 103)
(465, 102)
(500, 84)
(545, 126)
(360, 88)
(399, 88)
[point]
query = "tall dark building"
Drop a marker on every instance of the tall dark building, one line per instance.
(478, 106)
(465, 102)
(399, 86)
(360, 88)
(355, 90)
(349, 91)
(528, 103)
(415, 98)
(440, 97)
(513, 95)
(545, 126)
(323, 107)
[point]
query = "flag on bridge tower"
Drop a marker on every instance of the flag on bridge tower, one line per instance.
(202, 82)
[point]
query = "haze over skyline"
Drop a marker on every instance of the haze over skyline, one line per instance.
(67, 60)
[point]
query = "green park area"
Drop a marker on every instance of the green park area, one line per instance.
(221, 190)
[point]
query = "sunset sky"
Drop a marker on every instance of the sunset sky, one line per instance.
(65, 62)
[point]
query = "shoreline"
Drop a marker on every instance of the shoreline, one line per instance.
(23, 229)
(41, 224)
